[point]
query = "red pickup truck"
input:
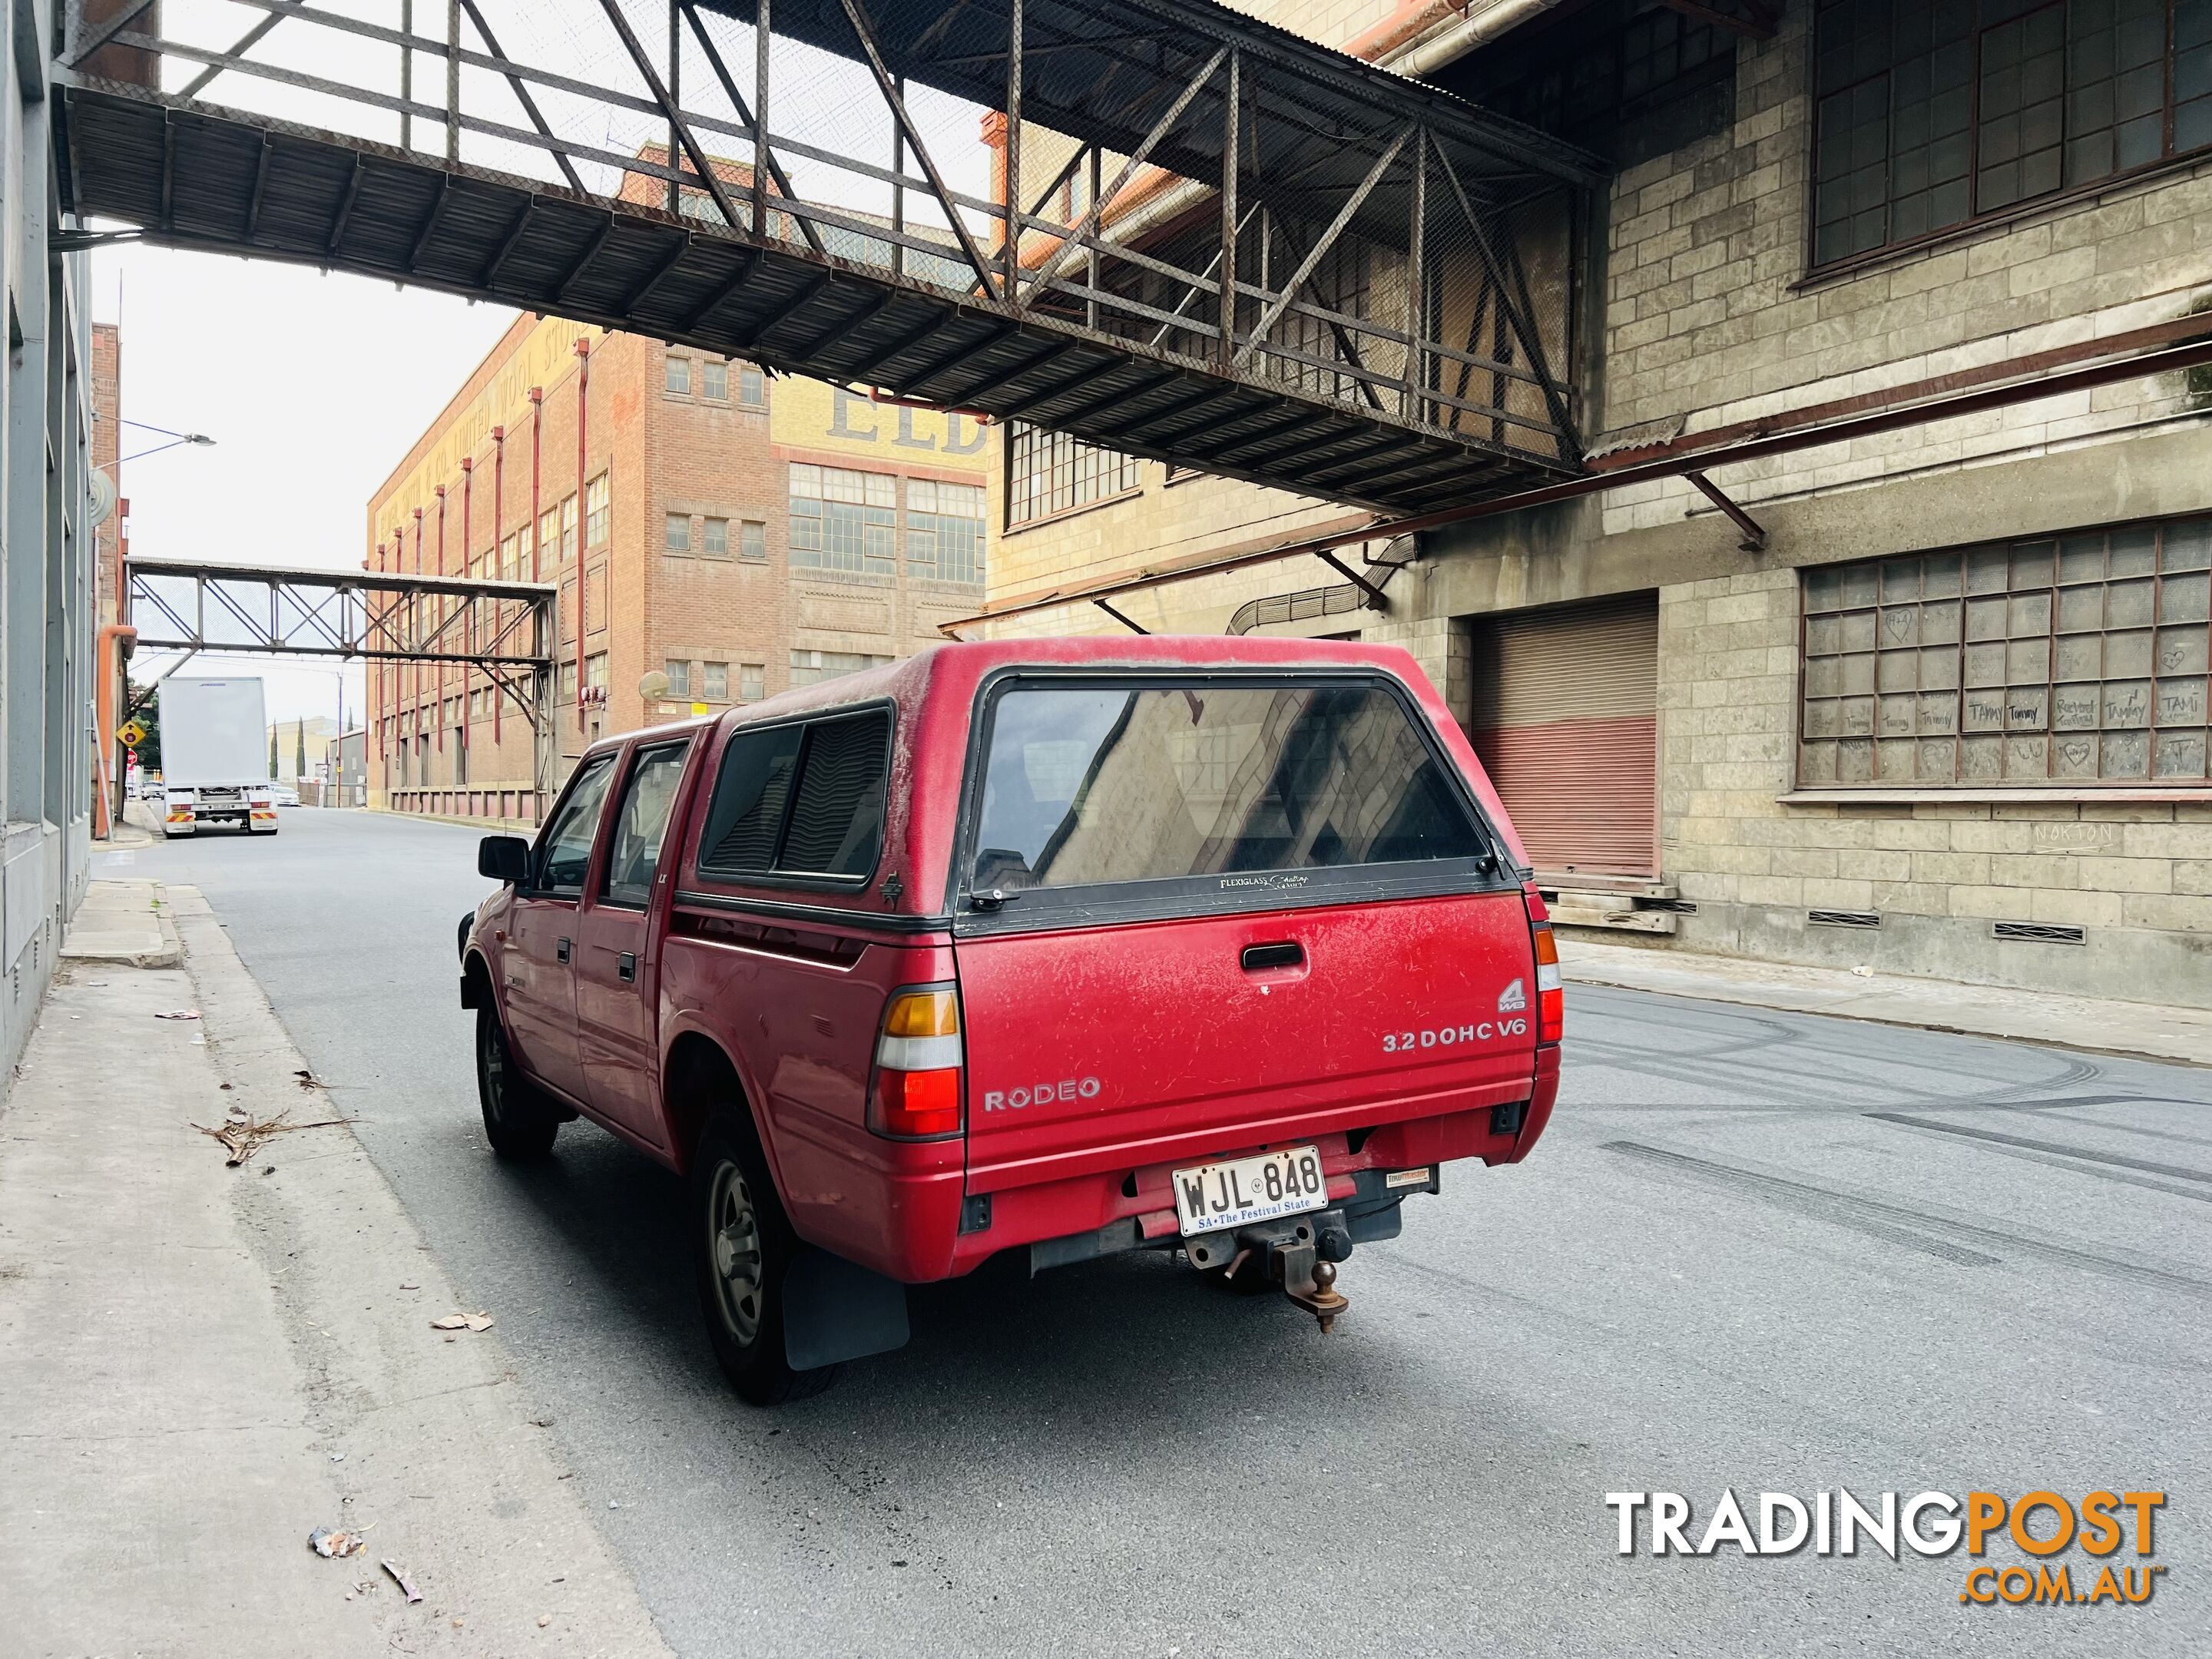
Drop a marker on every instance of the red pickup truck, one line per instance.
(1067, 946)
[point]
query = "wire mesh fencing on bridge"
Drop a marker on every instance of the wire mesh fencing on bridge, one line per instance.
(1204, 202)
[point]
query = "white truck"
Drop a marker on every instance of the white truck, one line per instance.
(214, 755)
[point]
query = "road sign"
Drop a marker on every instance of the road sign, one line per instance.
(131, 735)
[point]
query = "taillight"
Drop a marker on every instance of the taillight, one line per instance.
(916, 1095)
(1550, 996)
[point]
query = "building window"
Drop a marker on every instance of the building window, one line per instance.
(752, 386)
(1049, 472)
(2077, 658)
(841, 519)
(1630, 79)
(596, 515)
(510, 557)
(569, 681)
(595, 671)
(714, 381)
(676, 376)
(718, 539)
(556, 527)
(944, 530)
(717, 688)
(752, 682)
(752, 539)
(808, 667)
(1929, 115)
(675, 536)
(679, 679)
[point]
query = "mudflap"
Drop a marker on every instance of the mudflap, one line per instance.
(834, 1310)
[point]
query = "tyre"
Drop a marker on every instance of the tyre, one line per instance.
(519, 1122)
(743, 1247)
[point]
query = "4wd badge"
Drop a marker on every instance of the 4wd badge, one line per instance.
(1513, 998)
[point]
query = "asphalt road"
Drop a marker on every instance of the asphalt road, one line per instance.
(1764, 1251)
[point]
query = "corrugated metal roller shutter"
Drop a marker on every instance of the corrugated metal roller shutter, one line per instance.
(1566, 722)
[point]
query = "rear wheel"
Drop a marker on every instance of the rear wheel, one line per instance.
(743, 1246)
(519, 1120)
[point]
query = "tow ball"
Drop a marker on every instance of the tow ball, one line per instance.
(1299, 1256)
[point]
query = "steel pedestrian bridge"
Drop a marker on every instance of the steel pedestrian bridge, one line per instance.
(1236, 250)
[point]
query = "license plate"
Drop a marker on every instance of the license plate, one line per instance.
(1211, 1197)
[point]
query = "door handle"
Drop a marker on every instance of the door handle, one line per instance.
(561, 951)
(1285, 953)
(626, 967)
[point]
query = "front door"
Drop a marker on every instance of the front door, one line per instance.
(539, 965)
(617, 970)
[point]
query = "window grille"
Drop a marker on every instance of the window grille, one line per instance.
(1930, 115)
(2079, 659)
(842, 520)
(1049, 472)
(944, 531)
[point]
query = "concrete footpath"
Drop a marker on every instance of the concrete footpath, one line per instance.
(2093, 1025)
(202, 1363)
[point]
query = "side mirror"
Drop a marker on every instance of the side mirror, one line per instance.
(504, 859)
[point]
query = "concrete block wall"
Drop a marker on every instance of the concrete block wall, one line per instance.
(1711, 319)
(2135, 874)
(1158, 525)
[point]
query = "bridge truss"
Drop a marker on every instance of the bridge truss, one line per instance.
(1226, 248)
(502, 631)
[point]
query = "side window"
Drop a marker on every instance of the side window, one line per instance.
(635, 859)
(750, 796)
(565, 855)
(802, 801)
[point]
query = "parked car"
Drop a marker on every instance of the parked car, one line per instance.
(1068, 947)
(284, 794)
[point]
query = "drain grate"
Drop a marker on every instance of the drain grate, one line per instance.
(1671, 907)
(2038, 933)
(1843, 919)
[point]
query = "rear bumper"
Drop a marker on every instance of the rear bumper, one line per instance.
(1075, 1217)
(911, 1211)
(1369, 1209)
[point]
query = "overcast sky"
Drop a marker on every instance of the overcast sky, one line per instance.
(313, 388)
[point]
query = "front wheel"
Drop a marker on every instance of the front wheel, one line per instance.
(743, 1247)
(519, 1122)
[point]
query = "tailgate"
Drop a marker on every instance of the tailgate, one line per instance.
(1198, 914)
(1128, 1040)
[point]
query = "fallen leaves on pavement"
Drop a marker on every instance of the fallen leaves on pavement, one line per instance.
(242, 1134)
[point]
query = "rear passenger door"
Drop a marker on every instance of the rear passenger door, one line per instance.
(538, 963)
(618, 966)
(797, 820)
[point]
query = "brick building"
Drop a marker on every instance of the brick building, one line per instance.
(739, 534)
(1952, 719)
(108, 541)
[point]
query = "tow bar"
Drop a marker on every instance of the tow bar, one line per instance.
(1298, 1255)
